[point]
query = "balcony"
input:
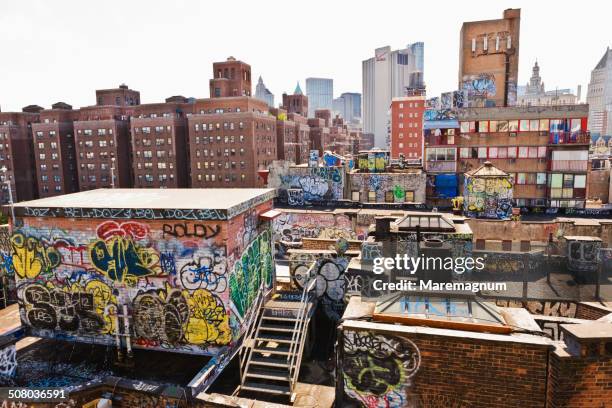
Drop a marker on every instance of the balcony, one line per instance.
(568, 165)
(441, 166)
(569, 138)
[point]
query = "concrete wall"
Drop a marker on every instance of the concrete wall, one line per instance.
(188, 285)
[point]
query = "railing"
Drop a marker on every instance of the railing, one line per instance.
(248, 341)
(569, 165)
(297, 344)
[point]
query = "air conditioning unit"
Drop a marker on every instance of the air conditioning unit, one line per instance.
(541, 186)
(542, 160)
(512, 160)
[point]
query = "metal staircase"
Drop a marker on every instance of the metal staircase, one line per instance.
(272, 352)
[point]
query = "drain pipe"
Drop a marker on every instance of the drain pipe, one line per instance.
(128, 340)
(115, 317)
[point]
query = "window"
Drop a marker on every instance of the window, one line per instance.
(541, 178)
(544, 125)
(513, 125)
(523, 152)
(102, 143)
(464, 153)
(512, 152)
(482, 152)
(372, 196)
(524, 126)
(146, 130)
(493, 152)
(101, 132)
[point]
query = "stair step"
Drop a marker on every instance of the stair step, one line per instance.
(267, 388)
(268, 373)
(282, 349)
(277, 327)
(279, 338)
(279, 318)
(269, 361)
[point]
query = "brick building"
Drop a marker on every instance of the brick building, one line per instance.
(103, 147)
(407, 127)
(230, 78)
(545, 150)
(54, 151)
(488, 60)
(16, 154)
(159, 145)
(296, 103)
(230, 139)
(286, 137)
(121, 96)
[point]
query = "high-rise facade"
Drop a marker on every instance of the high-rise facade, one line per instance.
(320, 92)
(407, 127)
(16, 154)
(263, 93)
(599, 96)
(348, 105)
(54, 151)
(488, 60)
(389, 74)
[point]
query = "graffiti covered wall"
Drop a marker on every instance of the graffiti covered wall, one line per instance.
(304, 185)
(488, 197)
(389, 187)
(329, 271)
(293, 226)
(187, 284)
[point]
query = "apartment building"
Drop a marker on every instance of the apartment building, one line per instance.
(16, 154)
(407, 127)
(103, 148)
(159, 144)
(544, 149)
(54, 151)
(230, 140)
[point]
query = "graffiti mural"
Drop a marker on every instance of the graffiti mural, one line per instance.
(479, 89)
(390, 187)
(291, 227)
(488, 197)
(316, 183)
(254, 266)
(378, 368)
(186, 283)
(168, 317)
(329, 271)
(8, 361)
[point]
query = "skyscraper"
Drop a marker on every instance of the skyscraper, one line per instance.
(263, 93)
(488, 60)
(389, 74)
(320, 92)
(599, 96)
(348, 105)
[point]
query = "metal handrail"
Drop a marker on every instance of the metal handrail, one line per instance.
(294, 350)
(247, 343)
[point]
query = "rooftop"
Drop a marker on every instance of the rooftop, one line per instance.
(226, 201)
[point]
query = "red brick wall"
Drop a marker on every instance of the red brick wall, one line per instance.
(453, 372)
(580, 382)
(590, 312)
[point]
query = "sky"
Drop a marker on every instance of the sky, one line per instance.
(64, 50)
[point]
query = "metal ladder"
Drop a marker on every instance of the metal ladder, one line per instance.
(273, 350)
